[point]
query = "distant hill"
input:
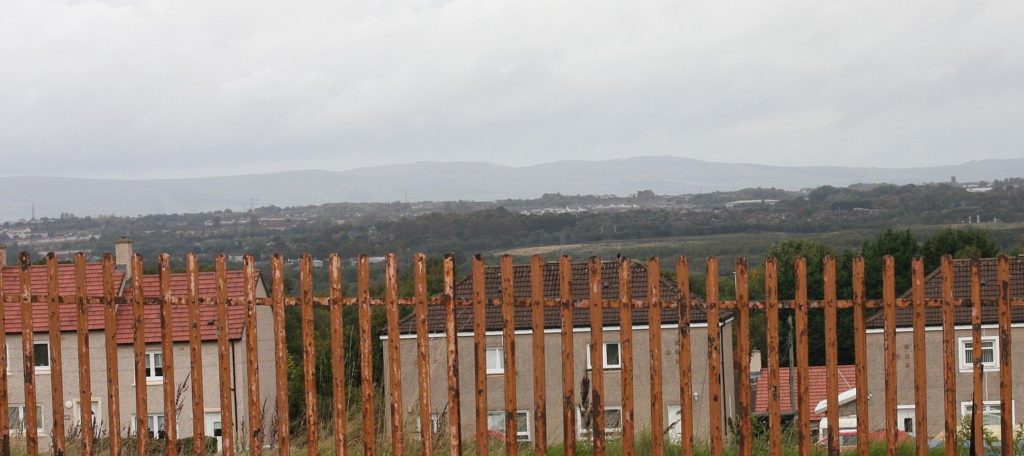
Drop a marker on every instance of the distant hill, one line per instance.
(436, 181)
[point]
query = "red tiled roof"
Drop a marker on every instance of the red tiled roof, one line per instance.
(962, 290)
(816, 388)
(68, 316)
(94, 281)
(580, 286)
(207, 285)
(65, 279)
(580, 282)
(179, 323)
(124, 320)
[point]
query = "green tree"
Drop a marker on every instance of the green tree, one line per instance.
(785, 254)
(961, 243)
(902, 246)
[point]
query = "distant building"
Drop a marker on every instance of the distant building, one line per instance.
(581, 328)
(125, 351)
(905, 379)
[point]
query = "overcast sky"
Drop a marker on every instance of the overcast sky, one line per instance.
(198, 87)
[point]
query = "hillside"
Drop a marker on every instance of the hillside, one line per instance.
(448, 181)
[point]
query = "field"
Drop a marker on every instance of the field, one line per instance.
(728, 246)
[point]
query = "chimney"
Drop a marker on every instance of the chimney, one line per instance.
(3, 255)
(123, 254)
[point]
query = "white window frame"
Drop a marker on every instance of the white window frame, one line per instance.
(962, 353)
(20, 408)
(674, 421)
(152, 424)
(522, 416)
(97, 413)
(435, 424)
(500, 369)
(583, 432)
(151, 376)
(904, 408)
(968, 404)
(40, 369)
(604, 356)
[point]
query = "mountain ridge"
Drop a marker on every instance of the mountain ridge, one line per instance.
(436, 181)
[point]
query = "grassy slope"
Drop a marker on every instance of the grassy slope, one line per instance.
(749, 245)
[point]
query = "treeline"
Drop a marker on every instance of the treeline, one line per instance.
(900, 244)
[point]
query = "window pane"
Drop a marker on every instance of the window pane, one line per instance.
(612, 354)
(42, 355)
(496, 421)
(612, 418)
(154, 365)
(16, 420)
(987, 354)
(494, 359)
(522, 426)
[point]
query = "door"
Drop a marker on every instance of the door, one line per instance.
(214, 428)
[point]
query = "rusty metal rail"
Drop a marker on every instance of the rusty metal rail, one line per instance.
(582, 408)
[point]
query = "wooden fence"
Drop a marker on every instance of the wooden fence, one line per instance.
(455, 443)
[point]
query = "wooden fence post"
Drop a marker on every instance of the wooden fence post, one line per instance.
(419, 270)
(657, 397)
(224, 358)
(308, 352)
(714, 356)
(771, 291)
(508, 329)
(626, 349)
(167, 343)
(569, 424)
(685, 358)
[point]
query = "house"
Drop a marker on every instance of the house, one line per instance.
(553, 362)
(124, 336)
(905, 380)
(816, 376)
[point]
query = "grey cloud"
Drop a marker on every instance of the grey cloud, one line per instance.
(184, 88)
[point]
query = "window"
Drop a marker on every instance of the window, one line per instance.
(675, 423)
(991, 412)
(97, 413)
(17, 418)
(155, 425)
(154, 367)
(41, 352)
(496, 423)
(612, 356)
(989, 353)
(435, 423)
(495, 360)
(612, 421)
(906, 419)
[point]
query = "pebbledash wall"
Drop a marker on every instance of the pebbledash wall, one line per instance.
(553, 362)
(70, 411)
